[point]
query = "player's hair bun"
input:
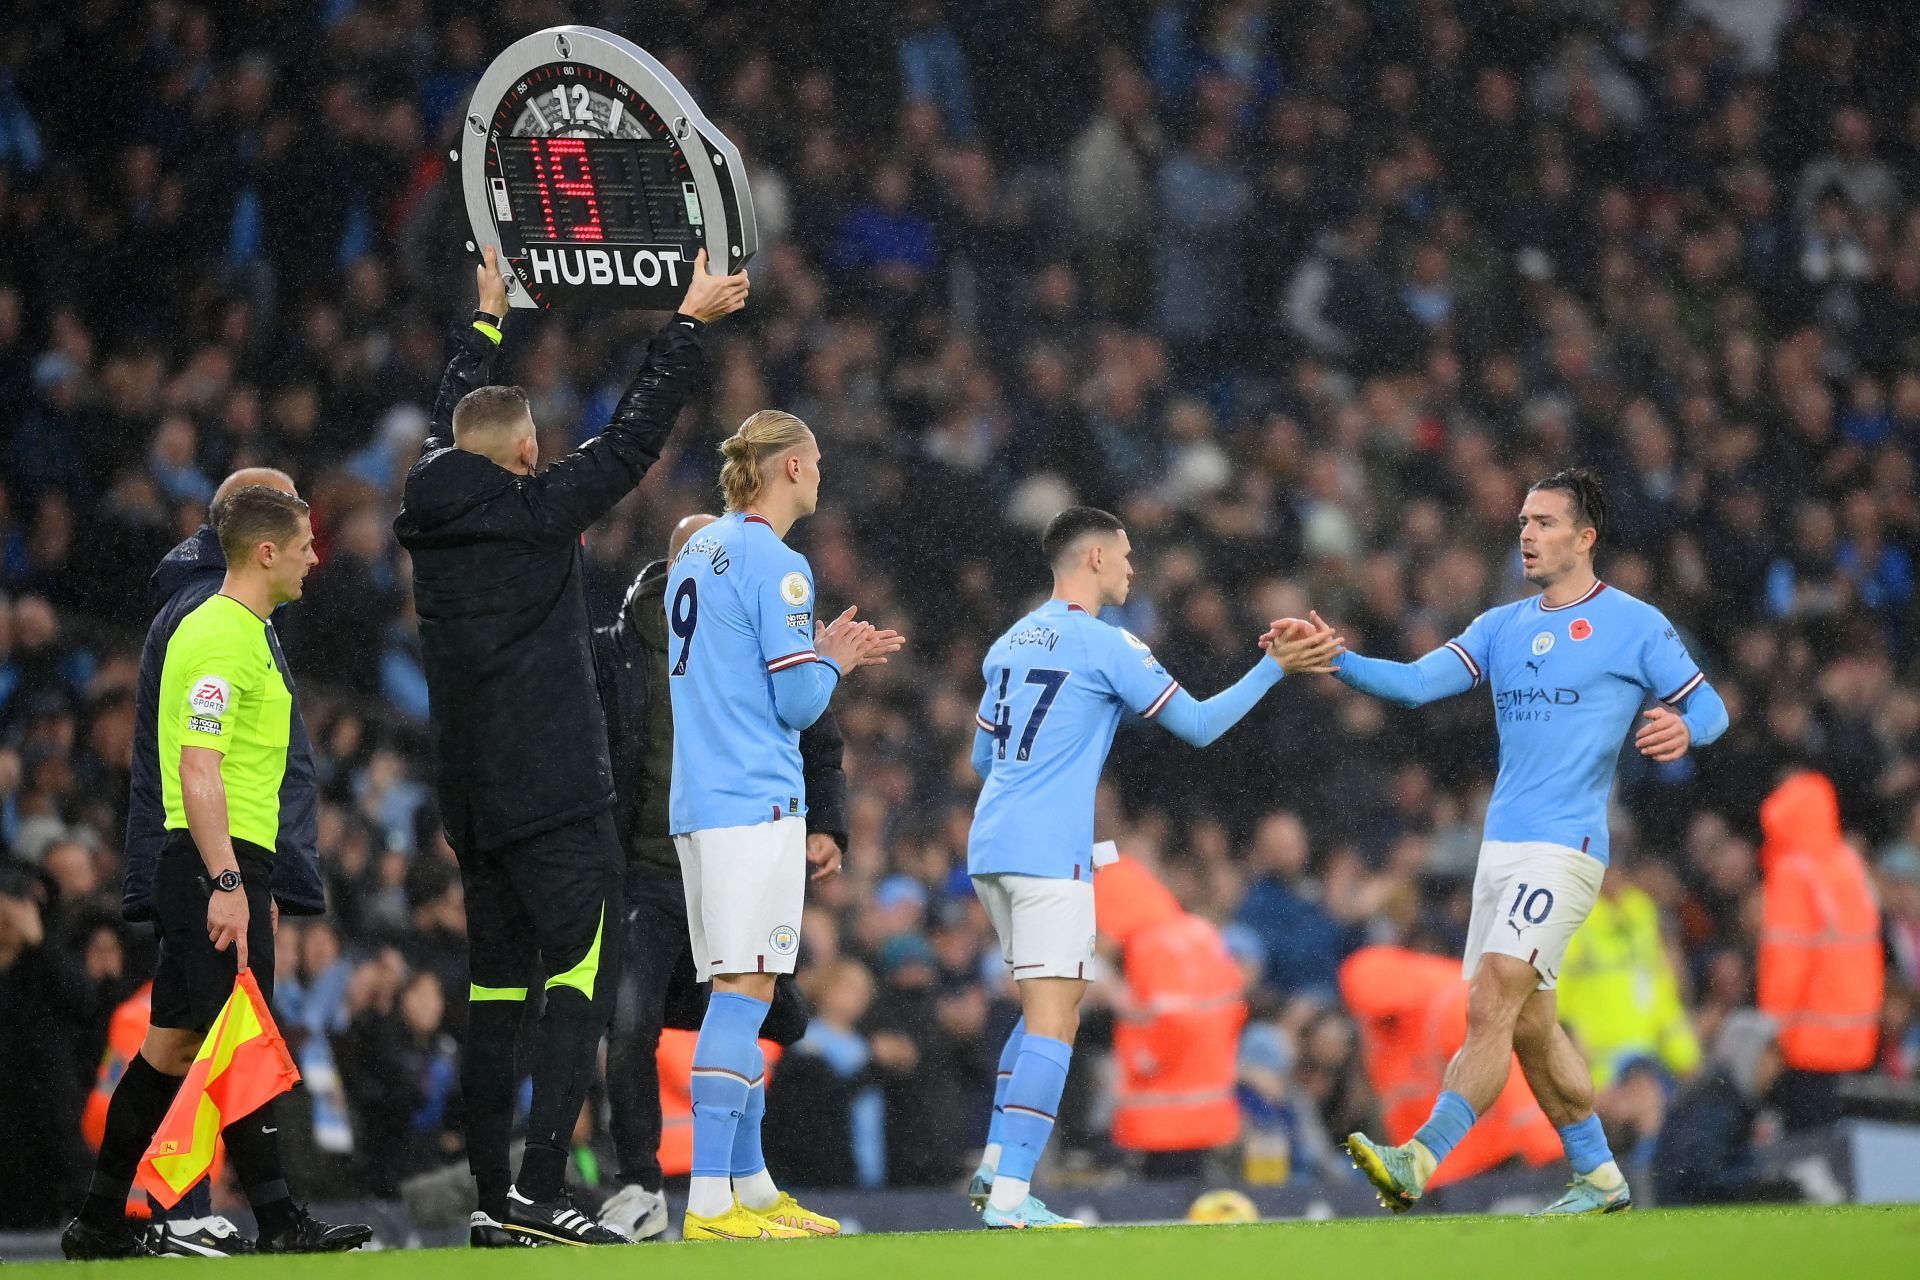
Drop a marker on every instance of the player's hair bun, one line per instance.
(767, 434)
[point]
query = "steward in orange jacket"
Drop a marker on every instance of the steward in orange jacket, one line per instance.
(1412, 1012)
(1821, 971)
(1177, 1041)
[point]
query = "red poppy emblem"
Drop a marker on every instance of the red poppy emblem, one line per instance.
(1580, 629)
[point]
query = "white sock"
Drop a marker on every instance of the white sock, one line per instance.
(1608, 1177)
(1009, 1194)
(990, 1158)
(756, 1191)
(709, 1197)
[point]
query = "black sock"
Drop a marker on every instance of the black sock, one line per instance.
(487, 1077)
(254, 1143)
(570, 1028)
(139, 1104)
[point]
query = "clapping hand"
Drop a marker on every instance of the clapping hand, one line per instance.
(852, 645)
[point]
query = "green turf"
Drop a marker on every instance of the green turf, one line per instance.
(1849, 1243)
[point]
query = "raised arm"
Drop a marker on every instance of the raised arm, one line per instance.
(1131, 670)
(1454, 667)
(1439, 674)
(474, 346)
(582, 487)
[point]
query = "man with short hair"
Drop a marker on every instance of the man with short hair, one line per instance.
(1057, 682)
(182, 582)
(519, 739)
(658, 985)
(225, 718)
(1570, 670)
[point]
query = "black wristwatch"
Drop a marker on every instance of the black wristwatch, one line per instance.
(227, 881)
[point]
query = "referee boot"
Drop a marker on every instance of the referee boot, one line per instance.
(554, 1222)
(310, 1235)
(84, 1242)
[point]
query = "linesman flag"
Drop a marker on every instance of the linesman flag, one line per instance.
(242, 1065)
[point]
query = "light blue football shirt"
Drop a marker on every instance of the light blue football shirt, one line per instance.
(1057, 682)
(739, 609)
(1568, 683)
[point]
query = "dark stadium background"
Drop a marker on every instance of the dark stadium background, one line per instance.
(1308, 292)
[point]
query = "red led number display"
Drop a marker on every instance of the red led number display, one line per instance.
(562, 172)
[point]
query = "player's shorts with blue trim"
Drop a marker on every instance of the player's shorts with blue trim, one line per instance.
(1528, 899)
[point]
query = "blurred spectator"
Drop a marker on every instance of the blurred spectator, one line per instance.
(1705, 1152)
(1618, 995)
(1821, 972)
(1284, 907)
(44, 1058)
(1179, 1025)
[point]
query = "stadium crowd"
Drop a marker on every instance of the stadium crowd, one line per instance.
(1308, 293)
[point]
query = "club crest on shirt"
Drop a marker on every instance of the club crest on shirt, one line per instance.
(1580, 629)
(793, 588)
(1542, 643)
(784, 940)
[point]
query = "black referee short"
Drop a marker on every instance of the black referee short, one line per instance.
(537, 910)
(192, 981)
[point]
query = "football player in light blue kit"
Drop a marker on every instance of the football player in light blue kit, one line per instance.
(748, 670)
(1570, 670)
(1057, 683)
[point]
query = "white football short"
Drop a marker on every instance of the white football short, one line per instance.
(1528, 899)
(745, 889)
(1045, 925)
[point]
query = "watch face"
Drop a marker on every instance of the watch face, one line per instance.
(229, 880)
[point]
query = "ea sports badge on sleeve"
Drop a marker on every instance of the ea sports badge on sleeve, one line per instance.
(593, 172)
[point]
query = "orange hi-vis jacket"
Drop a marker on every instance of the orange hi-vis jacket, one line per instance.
(1177, 1043)
(1412, 1011)
(1822, 972)
(674, 1059)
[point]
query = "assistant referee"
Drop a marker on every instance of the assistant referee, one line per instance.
(519, 740)
(225, 720)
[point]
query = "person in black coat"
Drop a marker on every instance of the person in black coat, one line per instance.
(1705, 1151)
(658, 986)
(519, 741)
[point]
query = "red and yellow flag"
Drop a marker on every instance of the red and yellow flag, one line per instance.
(242, 1065)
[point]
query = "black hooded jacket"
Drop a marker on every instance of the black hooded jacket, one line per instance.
(519, 739)
(185, 579)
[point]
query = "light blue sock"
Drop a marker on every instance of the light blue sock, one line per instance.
(725, 1060)
(747, 1158)
(1586, 1144)
(1448, 1124)
(1033, 1100)
(1009, 1055)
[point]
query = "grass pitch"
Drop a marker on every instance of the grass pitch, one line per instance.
(1849, 1243)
